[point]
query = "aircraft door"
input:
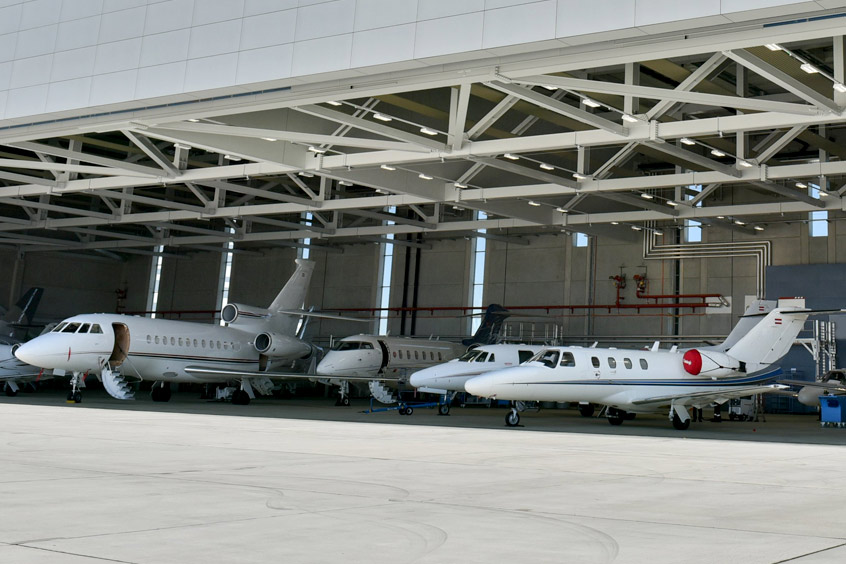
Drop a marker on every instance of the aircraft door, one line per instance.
(385, 355)
(121, 346)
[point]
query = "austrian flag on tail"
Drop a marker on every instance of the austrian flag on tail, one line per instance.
(778, 320)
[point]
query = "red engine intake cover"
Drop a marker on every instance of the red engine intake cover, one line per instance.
(692, 361)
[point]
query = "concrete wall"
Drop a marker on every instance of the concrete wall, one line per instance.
(65, 57)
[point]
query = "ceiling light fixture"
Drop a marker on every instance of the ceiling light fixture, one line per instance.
(630, 118)
(305, 174)
(687, 141)
(511, 157)
(591, 103)
(459, 185)
(657, 232)
(646, 196)
(773, 46)
(387, 167)
(380, 191)
(744, 164)
(717, 153)
(721, 217)
(181, 146)
(579, 176)
(533, 203)
(425, 176)
(801, 185)
(317, 150)
(345, 183)
(636, 228)
(192, 120)
(231, 157)
(758, 228)
(427, 131)
(615, 223)
(547, 166)
(738, 222)
(672, 203)
(823, 193)
(333, 103)
(562, 210)
(382, 117)
(268, 139)
(809, 68)
(840, 87)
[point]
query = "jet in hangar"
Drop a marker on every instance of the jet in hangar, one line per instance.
(648, 381)
(20, 316)
(120, 349)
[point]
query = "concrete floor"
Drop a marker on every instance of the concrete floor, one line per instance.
(301, 481)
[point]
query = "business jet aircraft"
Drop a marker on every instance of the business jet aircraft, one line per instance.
(376, 359)
(833, 383)
(448, 378)
(20, 315)
(255, 340)
(634, 381)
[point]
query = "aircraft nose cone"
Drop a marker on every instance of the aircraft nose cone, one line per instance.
(481, 386)
(420, 378)
(28, 353)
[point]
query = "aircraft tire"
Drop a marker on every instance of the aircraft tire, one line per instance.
(409, 410)
(345, 402)
(615, 416)
(512, 419)
(587, 410)
(678, 424)
(240, 397)
(443, 409)
(10, 392)
(77, 397)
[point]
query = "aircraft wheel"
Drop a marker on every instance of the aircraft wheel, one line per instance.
(512, 418)
(409, 410)
(77, 397)
(240, 397)
(678, 424)
(345, 401)
(443, 409)
(586, 409)
(616, 416)
(10, 392)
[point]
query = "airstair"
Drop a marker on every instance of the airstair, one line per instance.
(116, 385)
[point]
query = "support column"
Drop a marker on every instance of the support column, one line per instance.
(840, 68)
(631, 104)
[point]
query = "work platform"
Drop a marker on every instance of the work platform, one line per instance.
(302, 481)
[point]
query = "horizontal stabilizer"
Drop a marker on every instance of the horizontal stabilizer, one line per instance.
(320, 315)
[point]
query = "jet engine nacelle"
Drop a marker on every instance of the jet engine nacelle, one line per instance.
(274, 346)
(240, 313)
(710, 363)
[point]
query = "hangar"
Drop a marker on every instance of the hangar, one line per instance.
(623, 171)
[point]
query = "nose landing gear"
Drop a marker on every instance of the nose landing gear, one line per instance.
(77, 382)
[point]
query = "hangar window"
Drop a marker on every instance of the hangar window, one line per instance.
(386, 266)
(693, 229)
(155, 278)
(580, 240)
(477, 270)
(567, 360)
(818, 220)
(628, 363)
(644, 364)
(96, 329)
(612, 362)
(225, 275)
(594, 360)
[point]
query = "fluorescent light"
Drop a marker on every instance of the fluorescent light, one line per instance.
(511, 157)
(636, 228)
(317, 150)
(744, 164)
(345, 183)
(687, 141)
(721, 217)
(738, 222)
(840, 87)
(646, 196)
(579, 176)
(630, 118)
(823, 193)
(717, 153)
(547, 166)
(386, 167)
(672, 203)
(192, 120)
(268, 139)
(591, 103)
(657, 232)
(801, 185)
(562, 210)
(533, 203)
(382, 117)
(305, 174)
(459, 185)
(773, 46)
(231, 158)
(809, 68)
(380, 191)
(457, 208)
(758, 228)
(615, 223)
(181, 146)
(333, 103)
(550, 88)
(427, 131)
(425, 176)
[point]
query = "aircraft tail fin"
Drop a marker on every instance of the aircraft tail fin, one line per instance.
(25, 308)
(292, 297)
(490, 328)
(771, 338)
(751, 317)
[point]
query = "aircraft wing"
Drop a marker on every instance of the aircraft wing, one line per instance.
(720, 396)
(226, 373)
(826, 385)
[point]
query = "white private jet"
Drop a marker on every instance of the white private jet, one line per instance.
(254, 341)
(448, 378)
(376, 359)
(833, 383)
(646, 381)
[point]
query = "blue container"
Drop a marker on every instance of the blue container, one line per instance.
(833, 409)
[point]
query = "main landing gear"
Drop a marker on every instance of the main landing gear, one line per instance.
(615, 416)
(512, 418)
(586, 409)
(240, 397)
(161, 391)
(680, 417)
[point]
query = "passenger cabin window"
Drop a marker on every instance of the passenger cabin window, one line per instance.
(71, 328)
(594, 360)
(568, 360)
(439, 356)
(400, 355)
(149, 339)
(157, 339)
(627, 362)
(431, 355)
(415, 355)
(523, 356)
(612, 362)
(643, 364)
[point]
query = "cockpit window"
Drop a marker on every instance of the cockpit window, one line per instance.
(352, 346)
(59, 327)
(469, 356)
(547, 356)
(492, 358)
(568, 360)
(71, 328)
(96, 329)
(85, 327)
(482, 357)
